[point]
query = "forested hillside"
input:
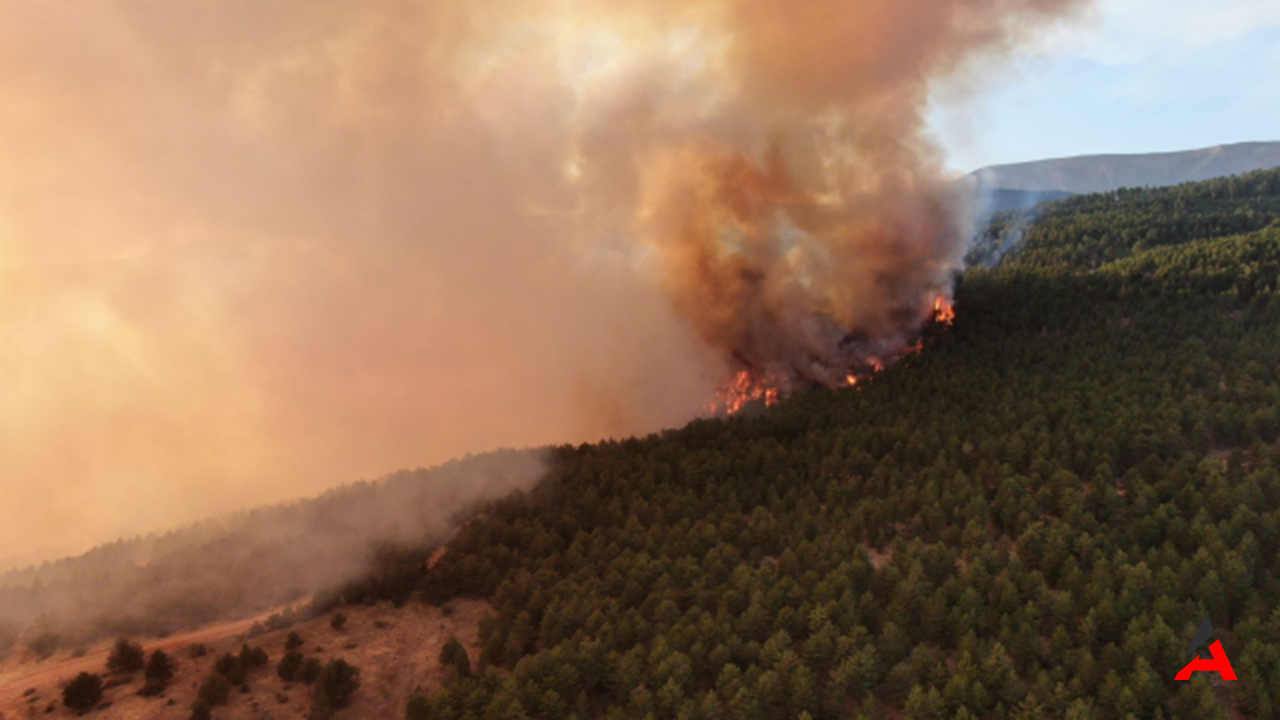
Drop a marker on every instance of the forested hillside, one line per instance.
(1086, 231)
(1026, 520)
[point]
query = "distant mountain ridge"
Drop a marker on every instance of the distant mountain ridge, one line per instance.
(1101, 173)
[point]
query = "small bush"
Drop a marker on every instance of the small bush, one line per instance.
(126, 657)
(419, 707)
(253, 658)
(454, 656)
(82, 694)
(214, 691)
(201, 710)
(289, 666)
(231, 667)
(294, 641)
(159, 673)
(198, 650)
(338, 622)
(338, 681)
(309, 671)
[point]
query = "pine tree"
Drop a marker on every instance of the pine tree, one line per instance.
(454, 656)
(126, 657)
(83, 693)
(159, 673)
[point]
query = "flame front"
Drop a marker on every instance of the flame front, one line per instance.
(745, 389)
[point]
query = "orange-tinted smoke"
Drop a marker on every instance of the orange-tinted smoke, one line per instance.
(809, 226)
(249, 250)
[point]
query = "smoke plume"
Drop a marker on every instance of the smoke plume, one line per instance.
(248, 250)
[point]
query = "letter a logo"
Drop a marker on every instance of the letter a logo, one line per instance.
(1217, 662)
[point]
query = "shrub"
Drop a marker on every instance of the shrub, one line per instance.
(159, 673)
(338, 622)
(294, 641)
(198, 650)
(253, 658)
(309, 671)
(214, 691)
(231, 667)
(126, 657)
(338, 681)
(201, 710)
(419, 707)
(289, 666)
(83, 693)
(454, 656)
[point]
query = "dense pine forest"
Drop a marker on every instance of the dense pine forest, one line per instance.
(1028, 519)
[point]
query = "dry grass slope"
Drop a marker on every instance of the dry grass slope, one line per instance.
(397, 651)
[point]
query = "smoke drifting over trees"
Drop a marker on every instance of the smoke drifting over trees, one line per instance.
(233, 567)
(250, 250)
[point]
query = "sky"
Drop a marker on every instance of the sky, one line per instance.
(1131, 76)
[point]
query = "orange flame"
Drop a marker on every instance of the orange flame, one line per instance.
(744, 390)
(943, 311)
